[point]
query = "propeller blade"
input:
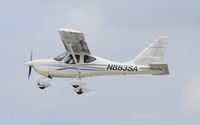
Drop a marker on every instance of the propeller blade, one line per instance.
(30, 67)
(29, 72)
(31, 55)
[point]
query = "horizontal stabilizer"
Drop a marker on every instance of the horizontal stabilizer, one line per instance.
(162, 67)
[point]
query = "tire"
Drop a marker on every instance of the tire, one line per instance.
(42, 87)
(75, 86)
(80, 92)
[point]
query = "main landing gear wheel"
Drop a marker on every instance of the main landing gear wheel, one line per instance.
(80, 92)
(75, 86)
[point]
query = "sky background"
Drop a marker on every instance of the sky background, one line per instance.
(114, 29)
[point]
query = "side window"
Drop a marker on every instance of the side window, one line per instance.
(70, 59)
(88, 59)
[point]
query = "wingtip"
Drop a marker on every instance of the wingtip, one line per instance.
(166, 37)
(68, 30)
(162, 38)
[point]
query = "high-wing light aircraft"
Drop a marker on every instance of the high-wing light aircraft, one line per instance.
(77, 62)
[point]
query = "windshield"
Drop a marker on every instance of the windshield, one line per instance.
(60, 57)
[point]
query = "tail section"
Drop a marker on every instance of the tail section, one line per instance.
(153, 54)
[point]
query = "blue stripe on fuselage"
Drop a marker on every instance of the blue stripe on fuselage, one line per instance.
(74, 68)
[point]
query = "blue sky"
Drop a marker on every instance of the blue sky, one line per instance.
(113, 29)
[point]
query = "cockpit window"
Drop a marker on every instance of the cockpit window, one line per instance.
(88, 59)
(60, 57)
(70, 59)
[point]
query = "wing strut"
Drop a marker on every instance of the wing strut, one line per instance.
(74, 57)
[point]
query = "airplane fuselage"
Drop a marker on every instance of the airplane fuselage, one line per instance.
(53, 68)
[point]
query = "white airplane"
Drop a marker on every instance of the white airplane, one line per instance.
(77, 62)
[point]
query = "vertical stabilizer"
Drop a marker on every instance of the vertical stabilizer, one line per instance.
(153, 53)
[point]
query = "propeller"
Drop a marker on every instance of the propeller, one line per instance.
(29, 64)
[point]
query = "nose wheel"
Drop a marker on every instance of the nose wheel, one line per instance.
(43, 85)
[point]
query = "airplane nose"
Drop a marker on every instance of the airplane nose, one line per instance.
(29, 63)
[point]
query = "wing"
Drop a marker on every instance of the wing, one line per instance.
(75, 39)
